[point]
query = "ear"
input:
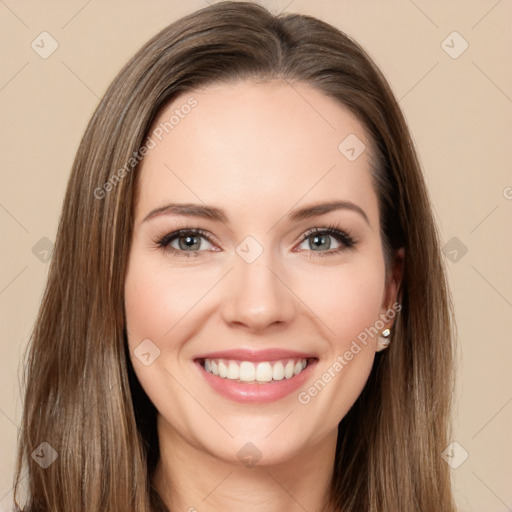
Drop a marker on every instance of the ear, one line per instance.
(392, 292)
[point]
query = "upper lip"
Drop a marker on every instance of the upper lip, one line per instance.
(269, 354)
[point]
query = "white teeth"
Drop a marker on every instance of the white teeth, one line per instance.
(264, 372)
(223, 369)
(233, 371)
(288, 369)
(278, 371)
(247, 371)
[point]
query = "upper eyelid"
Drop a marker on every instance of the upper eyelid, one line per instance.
(173, 235)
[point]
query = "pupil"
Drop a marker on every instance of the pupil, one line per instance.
(189, 243)
(321, 241)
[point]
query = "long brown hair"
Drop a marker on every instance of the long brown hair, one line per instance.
(82, 397)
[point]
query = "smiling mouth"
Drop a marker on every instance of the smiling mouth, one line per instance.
(262, 372)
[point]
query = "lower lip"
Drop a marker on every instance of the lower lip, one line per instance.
(254, 392)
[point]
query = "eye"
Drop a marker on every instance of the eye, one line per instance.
(186, 242)
(318, 241)
(326, 241)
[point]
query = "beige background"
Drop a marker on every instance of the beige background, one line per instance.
(458, 109)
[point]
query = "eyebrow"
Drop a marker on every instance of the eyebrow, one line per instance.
(217, 214)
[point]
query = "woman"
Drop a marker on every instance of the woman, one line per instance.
(246, 306)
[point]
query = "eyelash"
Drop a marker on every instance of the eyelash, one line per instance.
(346, 240)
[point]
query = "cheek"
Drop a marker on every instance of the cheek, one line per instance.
(163, 304)
(159, 301)
(348, 302)
(158, 297)
(347, 299)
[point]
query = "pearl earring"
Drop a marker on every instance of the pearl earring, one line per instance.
(384, 338)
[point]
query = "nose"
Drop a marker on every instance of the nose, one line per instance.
(256, 296)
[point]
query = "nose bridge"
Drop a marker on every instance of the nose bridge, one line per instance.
(256, 295)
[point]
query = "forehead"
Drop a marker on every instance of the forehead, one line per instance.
(256, 144)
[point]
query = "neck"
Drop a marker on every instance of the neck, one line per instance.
(190, 479)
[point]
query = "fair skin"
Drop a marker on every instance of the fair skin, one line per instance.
(258, 151)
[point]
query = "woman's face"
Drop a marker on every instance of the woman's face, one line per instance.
(263, 288)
